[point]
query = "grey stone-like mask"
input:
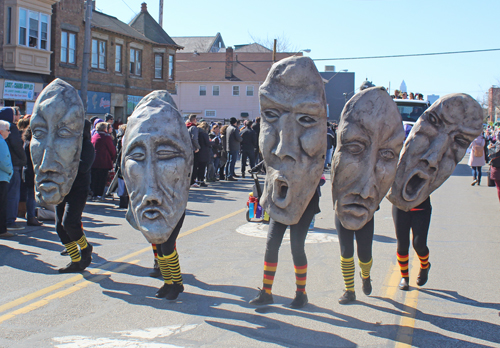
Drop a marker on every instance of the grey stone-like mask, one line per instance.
(156, 163)
(369, 138)
(292, 137)
(57, 127)
(435, 145)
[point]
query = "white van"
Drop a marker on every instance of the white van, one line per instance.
(411, 110)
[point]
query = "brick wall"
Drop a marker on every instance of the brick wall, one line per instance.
(70, 14)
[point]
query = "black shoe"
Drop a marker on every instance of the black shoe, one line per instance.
(202, 184)
(64, 252)
(367, 285)
(300, 300)
(86, 256)
(156, 271)
(242, 175)
(236, 176)
(174, 292)
(348, 296)
(164, 290)
(72, 267)
(423, 275)
(404, 284)
(262, 298)
(230, 178)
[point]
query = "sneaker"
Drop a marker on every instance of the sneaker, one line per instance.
(86, 256)
(15, 227)
(33, 221)
(423, 275)
(195, 185)
(175, 290)
(203, 184)
(65, 252)
(367, 285)
(156, 270)
(72, 267)
(300, 300)
(164, 290)
(7, 235)
(404, 284)
(348, 296)
(474, 182)
(230, 178)
(262, 298)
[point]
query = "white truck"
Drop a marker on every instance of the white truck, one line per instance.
(411, 109)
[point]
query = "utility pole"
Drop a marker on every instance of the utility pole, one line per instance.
(86, 55)
(161, 14)
(274, 50)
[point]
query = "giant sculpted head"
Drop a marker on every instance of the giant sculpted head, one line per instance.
(292, 137)
(435, 145)
(156, 162)
(369, 138)
(57, 126)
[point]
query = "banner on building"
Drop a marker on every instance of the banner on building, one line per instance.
(17, 90)
(132, 101)
(98, 102)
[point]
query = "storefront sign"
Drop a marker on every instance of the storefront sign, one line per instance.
(17, 90)
(132, 101)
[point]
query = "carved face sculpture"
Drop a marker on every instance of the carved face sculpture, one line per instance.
(57, 126)
(435, 145)
(292, 137)
(370, 137)
(157, 162)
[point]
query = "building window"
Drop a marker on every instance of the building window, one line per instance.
(236, 90)
(9, 24)
(135, 62)
(215, 90)
(68, 47)
(158, 66)
(203, 90)
(249, 91)
(33, 29)
(210, 113)
(118, 58)
(170, 67)
(98, 54)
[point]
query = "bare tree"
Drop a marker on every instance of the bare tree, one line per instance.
(283, 43)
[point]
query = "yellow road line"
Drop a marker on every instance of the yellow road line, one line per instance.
(404, 335)
(79, 277)
(63, 293)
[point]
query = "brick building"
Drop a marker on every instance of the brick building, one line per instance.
(25, 51)
(128, 61)
(494, 104)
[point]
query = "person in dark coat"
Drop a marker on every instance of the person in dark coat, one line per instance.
(29, 182)
(249, 143)
(233, 140)
(18, 156)
(204, 153)
(69, 225)
(105, 155)
(256, 129)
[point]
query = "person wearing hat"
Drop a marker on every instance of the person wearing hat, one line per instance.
(110, 119)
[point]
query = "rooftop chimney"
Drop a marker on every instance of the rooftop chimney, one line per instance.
(161, 14)
(144, 7)
(229, 63)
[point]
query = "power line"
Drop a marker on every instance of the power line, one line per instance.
(353, 58)
(129, 7)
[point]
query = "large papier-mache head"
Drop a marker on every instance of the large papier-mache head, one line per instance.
(57, 125)
(435, 145)
(369, 138)
(157, 161)
(292, 137)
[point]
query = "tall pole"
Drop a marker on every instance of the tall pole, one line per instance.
(274, 50)
(161, 14)
(86, 55)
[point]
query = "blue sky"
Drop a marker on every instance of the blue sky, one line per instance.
(354, 28)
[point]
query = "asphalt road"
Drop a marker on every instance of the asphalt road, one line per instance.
(113, 304)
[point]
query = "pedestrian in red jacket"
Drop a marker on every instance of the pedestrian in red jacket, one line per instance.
(105, 155)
